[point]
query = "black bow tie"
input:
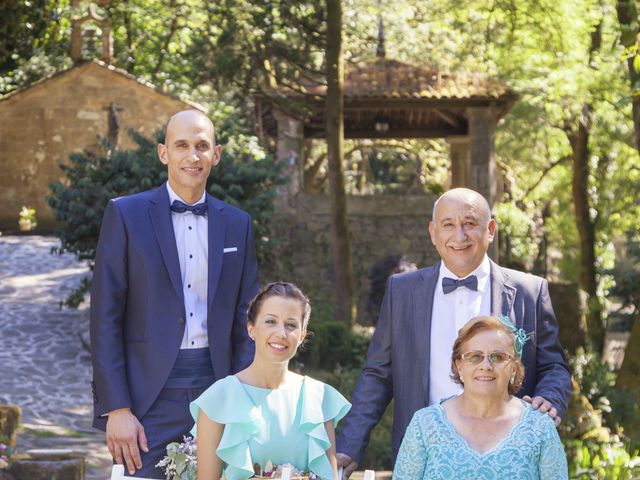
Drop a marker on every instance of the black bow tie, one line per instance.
(181, 207)
(450, 284)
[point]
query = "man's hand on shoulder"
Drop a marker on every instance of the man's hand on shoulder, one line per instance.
(347, 463)
(540, 403)
(124, 433)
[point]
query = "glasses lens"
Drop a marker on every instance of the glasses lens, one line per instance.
(498, 357)
(474, 357)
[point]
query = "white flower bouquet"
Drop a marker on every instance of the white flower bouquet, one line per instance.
(180, 461)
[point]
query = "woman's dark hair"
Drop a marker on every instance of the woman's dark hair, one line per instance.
(279, 289)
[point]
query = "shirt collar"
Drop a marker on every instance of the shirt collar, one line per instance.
(482, 273)
(174, 196)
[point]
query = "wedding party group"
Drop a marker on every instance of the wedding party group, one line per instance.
(185, 342)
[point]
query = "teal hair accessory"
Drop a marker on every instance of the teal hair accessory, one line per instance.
(521, 337)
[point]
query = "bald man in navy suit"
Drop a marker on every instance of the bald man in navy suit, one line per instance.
(175, 270)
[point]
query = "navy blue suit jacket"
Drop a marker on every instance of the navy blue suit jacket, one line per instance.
(397, 365)
(137, 304)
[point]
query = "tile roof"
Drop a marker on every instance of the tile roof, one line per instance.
(100, 64)
(386, 78)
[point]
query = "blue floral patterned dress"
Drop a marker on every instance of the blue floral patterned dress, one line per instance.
(432, 449)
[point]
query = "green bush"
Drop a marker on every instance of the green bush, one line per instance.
(377, 456)
(95, 177)
(590, 460)
(335, 353)
(332, 345)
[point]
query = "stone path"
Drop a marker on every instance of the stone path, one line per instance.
(45, 369)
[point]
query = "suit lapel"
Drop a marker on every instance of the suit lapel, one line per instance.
(217, 229)
(423, 307)
(163, 228)
(502, 293)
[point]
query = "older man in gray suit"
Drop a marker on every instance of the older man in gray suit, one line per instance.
(409, 357)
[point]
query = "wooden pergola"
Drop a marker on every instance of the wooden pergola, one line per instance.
(385, 98)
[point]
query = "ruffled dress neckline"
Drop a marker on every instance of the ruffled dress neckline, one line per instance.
(254, 418)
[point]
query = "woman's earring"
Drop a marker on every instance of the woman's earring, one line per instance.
(461, 379)
(513, 379)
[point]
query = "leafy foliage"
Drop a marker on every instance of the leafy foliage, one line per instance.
(95, 177)
(33, 40)
(618, 407)
(593, 460)
(333, 345)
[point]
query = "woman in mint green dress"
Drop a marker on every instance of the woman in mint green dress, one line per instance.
(266, 412)
(485, 432)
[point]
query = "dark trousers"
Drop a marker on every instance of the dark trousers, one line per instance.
(168, 420)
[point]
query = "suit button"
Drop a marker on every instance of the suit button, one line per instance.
(181, 321)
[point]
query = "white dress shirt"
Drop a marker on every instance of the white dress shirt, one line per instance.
(450, 313)
(192, 242)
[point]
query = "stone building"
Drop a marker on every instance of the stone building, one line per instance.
(67, 112)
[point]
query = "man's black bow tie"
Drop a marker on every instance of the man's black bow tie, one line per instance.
(181, 207)
(450, 284)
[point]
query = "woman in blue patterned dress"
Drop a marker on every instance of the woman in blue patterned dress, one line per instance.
(485, 432)
(266, 413)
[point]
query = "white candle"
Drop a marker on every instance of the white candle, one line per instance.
(286, 473)
(369, 475)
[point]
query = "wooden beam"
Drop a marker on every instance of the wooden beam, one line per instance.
(447, 117)
(391, 134)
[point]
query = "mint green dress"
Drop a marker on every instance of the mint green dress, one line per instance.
(284, 425)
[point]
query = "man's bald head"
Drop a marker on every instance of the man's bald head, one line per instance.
(188, 114)
(462, 229)
(468, 196)
(189, 152)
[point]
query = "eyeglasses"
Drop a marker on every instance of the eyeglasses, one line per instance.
(495, 358)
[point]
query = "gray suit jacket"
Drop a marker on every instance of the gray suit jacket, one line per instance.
(397, 365)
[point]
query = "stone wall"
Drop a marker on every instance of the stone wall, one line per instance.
(380, 226)
(42, 124)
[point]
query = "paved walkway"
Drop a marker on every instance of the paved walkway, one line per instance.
(46, 371)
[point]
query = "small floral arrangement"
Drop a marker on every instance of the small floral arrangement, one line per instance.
(5, 453)
(180, 461)
(27, 219)
(28, 213)
(276, 471)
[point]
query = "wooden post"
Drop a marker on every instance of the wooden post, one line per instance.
(482, 126)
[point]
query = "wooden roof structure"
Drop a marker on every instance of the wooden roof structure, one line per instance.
(414, 102)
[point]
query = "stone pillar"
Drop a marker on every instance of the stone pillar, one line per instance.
(107, 43)
(289, 151)
(460, 161)
(76, 40)
(482, 126)
(9, 423)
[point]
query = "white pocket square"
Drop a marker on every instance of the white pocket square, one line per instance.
(230, 249)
